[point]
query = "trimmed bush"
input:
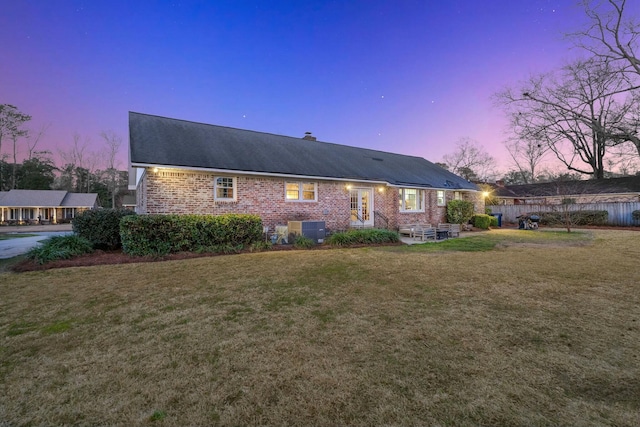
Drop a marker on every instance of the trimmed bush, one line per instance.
(494, 221)
(575, 218)
(60, 247)
(481, 221)
(163, 234)
(101, 226)
(303, 242)
(459, 211)
(359, 237)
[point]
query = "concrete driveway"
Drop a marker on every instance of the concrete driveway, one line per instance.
(13, 247)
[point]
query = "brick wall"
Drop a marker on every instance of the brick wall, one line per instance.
(171, 191)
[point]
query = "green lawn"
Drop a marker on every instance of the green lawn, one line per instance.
(7, 236)
(505, 328)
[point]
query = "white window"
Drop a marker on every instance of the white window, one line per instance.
(411, 200)
(301, 191)
(225, 188)
(68, 213)
(440, 197)
(457, 195)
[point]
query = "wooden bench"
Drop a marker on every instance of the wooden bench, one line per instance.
(453, 230)
(425, 233)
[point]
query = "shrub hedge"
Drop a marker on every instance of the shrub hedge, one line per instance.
(459, 211)
(101, 226)
(585, 217)
(359, 237)
(482, 221)
(163, 234)
(60, 247)
(303, 242)
(636, 215)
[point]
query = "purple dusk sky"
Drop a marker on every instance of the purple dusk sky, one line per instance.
(411, 77)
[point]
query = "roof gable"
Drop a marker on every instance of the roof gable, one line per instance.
(84, 200)
(162, 141)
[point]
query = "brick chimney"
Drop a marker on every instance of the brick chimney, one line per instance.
(308, 136)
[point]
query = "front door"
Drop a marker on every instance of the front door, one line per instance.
(361, 207)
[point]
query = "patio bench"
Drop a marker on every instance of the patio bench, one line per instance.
(425, 233)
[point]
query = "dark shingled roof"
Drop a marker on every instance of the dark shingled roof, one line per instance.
(627, 184)
(170, 142)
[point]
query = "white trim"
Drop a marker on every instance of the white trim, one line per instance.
(292, 176)
(372, 194)
(234, 189)
(422, 202)
(301, 198)
(239, 172)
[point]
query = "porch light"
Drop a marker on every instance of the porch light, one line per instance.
(485, 194)
(380, 189)
(348, 187)
(155, 170)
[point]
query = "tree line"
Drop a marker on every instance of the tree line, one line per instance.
(81, 170)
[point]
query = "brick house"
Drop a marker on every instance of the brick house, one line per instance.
(610, 190)
(185, 167)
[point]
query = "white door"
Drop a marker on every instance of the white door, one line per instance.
(361, 207)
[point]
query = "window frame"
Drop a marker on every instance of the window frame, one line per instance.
(234, 189)
(301, 191)
(441, 201)
(420, 192)
(457, 195)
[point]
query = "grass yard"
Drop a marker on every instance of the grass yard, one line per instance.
(7, 236)
(531, 329)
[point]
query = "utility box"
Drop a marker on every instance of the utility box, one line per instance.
(314, 230)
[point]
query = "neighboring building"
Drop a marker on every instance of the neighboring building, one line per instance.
(46, 206)
(184, 167)
(624, 189)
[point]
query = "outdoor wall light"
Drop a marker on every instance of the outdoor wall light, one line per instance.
(348, 187)
(155, 170)
(380, 189)
(485, 194)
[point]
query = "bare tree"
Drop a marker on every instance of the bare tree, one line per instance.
(526, 154)
(112, 142)
(611, 35)
(34, 139)
(76, 160)
(470, 160)
(574, 112)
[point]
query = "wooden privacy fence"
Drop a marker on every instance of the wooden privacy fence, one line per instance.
(619, 212)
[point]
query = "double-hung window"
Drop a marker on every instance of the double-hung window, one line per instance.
(411, 200)
(440, 197)
(301, 191)
(224, 188)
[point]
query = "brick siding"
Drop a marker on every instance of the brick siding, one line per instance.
(171, 191)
